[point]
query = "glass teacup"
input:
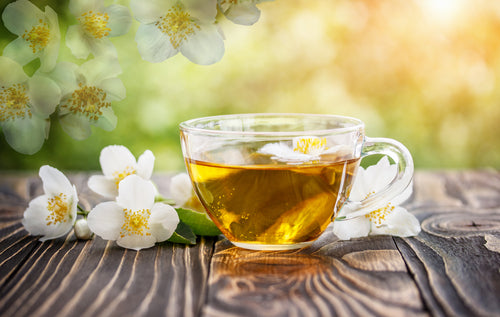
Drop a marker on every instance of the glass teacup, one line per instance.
(276, 181)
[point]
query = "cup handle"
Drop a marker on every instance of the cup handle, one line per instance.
(404, 176)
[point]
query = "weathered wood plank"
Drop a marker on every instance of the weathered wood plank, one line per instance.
(332, 277)
(451, 269)
(95, 277)
(457, 272)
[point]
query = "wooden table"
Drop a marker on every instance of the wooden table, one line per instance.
(452, 268)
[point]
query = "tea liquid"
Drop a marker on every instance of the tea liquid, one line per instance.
(272, 204)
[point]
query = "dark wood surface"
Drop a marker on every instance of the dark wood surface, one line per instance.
(452, 268)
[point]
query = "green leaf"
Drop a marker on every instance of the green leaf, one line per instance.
(183, 234)
(160, 199)
(198, 221)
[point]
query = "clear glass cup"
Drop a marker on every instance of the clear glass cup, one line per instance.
(276, 181)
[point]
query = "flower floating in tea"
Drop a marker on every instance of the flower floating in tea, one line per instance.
(302, 150)
(52, 214)
(390, 219)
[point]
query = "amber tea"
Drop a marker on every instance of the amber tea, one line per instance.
(272, 204)
(276, 181)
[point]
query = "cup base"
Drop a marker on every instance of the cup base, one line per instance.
(272, 247)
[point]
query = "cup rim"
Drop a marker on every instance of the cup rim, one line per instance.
(189, 125)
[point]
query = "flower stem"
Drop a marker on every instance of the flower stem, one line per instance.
(81, 211)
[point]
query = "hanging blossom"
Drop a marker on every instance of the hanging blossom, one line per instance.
(87, 93)
(304, 149)
(391, 219)
(172, 26)
(52, 214)
(96, 24)
(25, 106)
(38, 32)
(117, 162)
(135, 221)
(244, 12)
(183, 193)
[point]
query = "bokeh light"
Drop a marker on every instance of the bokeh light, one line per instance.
(424, 72)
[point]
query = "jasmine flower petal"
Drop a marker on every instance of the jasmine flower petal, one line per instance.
(243, 14)
(18, 16)
(205, 47)
(115, 159)
(106, 220)
(163, 221)
(12, 73)
(145, 164)
(76, 126)
(44, 94)
(135, 193)
(153, 45)
(77, 42)
(26, 135)
(102, 185)
(150, 11)
(20, 51)
(119, 19)
(107, 121)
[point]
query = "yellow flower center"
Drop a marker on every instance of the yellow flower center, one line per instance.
(14, 102)
(88, 100)
(38, 37)
(59, 210)
(378, 216)
(95, 24)
(309, 145)
(136, 223)
(119, 176)
(177, 24)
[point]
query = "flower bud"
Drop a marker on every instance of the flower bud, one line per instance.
(82, 230)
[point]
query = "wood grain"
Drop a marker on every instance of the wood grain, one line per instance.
(457, 274)
(96, 277)
(452, 268)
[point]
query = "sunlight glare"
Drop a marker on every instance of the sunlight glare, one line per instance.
(443, 11)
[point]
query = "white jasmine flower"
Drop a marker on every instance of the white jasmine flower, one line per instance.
(87, 93)
(52, 214)
(183, 193)
(244, 12)
(82, 230)
(135, 221)
(172, 26)
(304, 149)
(390, 219)
(97, 23)
(117, 162)
(38, 32)
(25, 106)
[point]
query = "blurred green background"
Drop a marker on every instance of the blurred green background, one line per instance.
(424, 72)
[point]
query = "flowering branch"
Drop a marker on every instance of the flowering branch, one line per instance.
(81, 95)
